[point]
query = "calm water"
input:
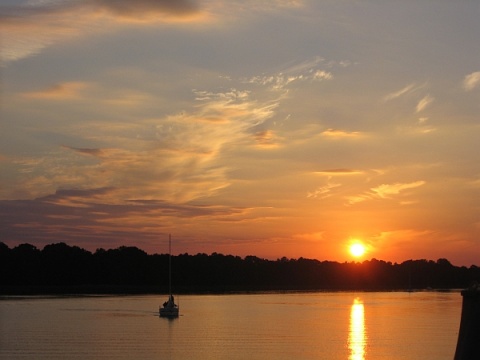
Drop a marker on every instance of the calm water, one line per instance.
(347, 326)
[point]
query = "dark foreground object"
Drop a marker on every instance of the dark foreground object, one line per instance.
(169, 309)
(468, 345)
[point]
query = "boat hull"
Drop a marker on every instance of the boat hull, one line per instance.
(169, 313)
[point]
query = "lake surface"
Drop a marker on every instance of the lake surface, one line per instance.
(347, 326)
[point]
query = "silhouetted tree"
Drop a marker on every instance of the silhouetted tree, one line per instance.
(63, 268)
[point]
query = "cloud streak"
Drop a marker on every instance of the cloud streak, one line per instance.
(146, 9)
(177, 157)
(385, 192)
(341, 134)
(424, 103)
(339, 172)
(403, 92)
(407, 89)
(307, 71)
(323, 191)
(60, 91)
(29, 29)
(471, 81)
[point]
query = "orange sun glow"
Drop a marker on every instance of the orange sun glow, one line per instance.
(357, 249)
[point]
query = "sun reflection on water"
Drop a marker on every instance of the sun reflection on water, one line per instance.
(357, 338)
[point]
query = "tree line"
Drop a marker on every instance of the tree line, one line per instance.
(63, 269)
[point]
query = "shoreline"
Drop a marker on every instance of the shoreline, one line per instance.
(75, 292)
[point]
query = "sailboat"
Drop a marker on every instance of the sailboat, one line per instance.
(169, 309)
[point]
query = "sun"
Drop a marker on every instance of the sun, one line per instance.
(357, 249)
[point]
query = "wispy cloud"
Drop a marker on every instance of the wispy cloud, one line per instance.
(31, 27)
(61, 91)
(339, 134)
(147, 10)
(322, 75)
(93, 152)
(267, 139)
(307, 71)
(323, 191)
(385, 191)
(28, 29)
(175, 158)
(424, 103)
(407, 89)
(471, 81)
(339, 172)
(354, 199)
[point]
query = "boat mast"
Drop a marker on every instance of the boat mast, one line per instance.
(170, 264)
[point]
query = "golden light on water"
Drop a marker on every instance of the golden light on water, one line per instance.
(357, 338)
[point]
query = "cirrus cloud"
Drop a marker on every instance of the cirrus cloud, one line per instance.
(384, 191)
(339, 172)
(146, 8)
(60, 91)
(340, 134)
(29, 29)
(471, 81)
(424, 103)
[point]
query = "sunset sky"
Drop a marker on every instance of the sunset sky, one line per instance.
(247, 127)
